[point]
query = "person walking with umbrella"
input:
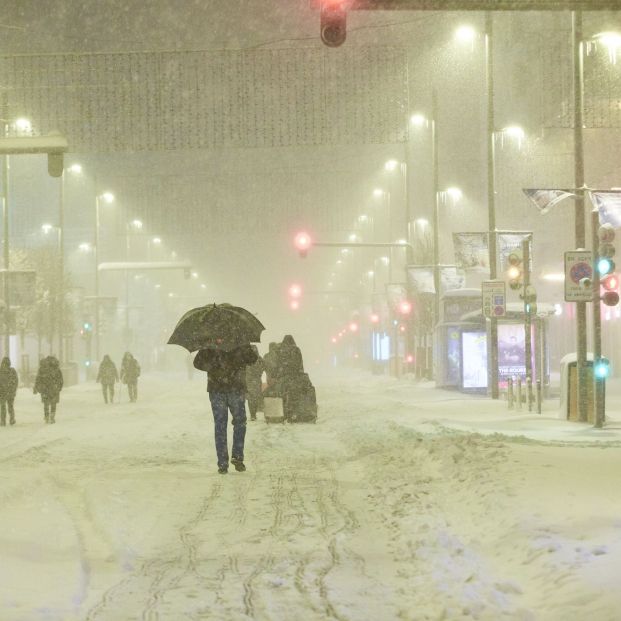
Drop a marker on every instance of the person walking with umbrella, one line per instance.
(222, 333)
(226, 385)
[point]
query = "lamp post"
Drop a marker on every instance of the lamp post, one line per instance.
(134, 225)
(75, 169)
(107, 197)
(21, 126)
(57, 297)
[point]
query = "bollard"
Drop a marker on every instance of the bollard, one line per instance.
(529, 393)
(538, 396)
(518, 396)
(510, 397)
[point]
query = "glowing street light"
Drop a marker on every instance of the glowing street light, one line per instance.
(612, 42)
(418, 120)
(47, 228)
(465, 34)
(84, 247)
(108, 197)
(378, 192)
(455, 193)
(391, 165)
(76, 169)
(23, 125)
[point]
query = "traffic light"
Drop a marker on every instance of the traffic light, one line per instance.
(405, 307)
(303, 242)
(606, 250)
(530, 300)
(333, 22)
(515, 272)
(295, 295)
(87, 329)
(610, 286)
(602, 368)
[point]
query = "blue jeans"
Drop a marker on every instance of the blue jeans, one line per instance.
(221, 403)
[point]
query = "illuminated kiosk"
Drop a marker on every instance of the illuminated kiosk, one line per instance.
(462, 337)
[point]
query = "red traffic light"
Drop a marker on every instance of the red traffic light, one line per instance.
(374, 318)
(333, 22)
(610, 298)
(294, 304)
(611, 282)
(303, 242)
(405, 307)
(353, 327)
(295, 291)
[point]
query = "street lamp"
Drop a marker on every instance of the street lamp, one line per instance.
(20, 126)
(108, 198)
(134, 225)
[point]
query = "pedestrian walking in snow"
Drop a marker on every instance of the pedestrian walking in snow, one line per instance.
(271, 366)
(254, 384)
(49, 383)
(8, 388)
(226, 385)
(130, 372)
(107, 376)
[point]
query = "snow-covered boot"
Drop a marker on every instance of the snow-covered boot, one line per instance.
(239, 464)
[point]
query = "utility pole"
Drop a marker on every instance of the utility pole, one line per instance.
(492, 374)
(6, 253)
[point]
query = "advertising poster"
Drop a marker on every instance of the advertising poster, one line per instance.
(511, 352)
(474, 356)
(471, 250)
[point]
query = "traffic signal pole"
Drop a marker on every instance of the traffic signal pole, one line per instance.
(580, 231)
(599, 396)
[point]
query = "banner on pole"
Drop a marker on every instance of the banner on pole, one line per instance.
(545, 199)
(471, 250)
(608, 204)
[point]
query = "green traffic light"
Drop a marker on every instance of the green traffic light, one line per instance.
(605, 266)
(602, 368)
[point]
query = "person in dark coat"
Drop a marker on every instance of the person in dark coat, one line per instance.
(130, 372)
(271, 370)
(254, 384)
(226, 385)
(8, 388)
(289, 358)
(107, 376)
(297, 392)
(49, 383)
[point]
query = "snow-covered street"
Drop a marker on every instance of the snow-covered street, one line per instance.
(393, 506)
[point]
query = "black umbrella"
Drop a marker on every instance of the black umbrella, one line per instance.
(216, 326)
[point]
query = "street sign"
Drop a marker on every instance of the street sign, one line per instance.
(476, 5)
(493, 298)
(578, 276)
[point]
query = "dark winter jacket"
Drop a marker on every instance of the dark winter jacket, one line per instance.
(49, 381)
(8, 380)
(130, 369)
(289, 358)
(225, 369)
(254, 374)
(271, 364)
(107, 371)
